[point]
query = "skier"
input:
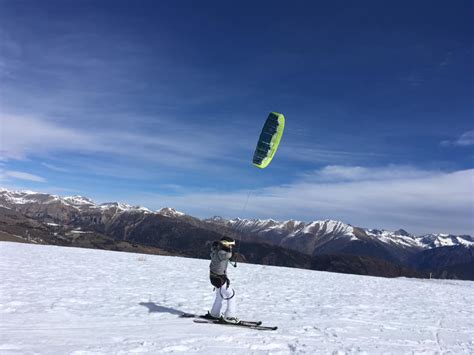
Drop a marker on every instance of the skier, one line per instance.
(221, 252)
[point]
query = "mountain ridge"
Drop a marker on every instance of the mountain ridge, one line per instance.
(288, 243)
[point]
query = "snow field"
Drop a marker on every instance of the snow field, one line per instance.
(56, 300)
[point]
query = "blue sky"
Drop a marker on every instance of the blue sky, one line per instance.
(161, 104)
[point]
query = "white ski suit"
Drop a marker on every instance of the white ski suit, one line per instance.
(218, 267)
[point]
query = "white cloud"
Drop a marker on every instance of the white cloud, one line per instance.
(466, 139)
(21, 176)
(419, 201)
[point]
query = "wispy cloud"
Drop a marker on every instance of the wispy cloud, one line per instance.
(417, 200)
(55, 168)
(338, 173)
(305, 153)
(466, 139)
(175, 145)
(21, 176)
(25, 136)
(447, 59)
(414, 78)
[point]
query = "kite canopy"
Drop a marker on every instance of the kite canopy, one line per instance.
(269, 140)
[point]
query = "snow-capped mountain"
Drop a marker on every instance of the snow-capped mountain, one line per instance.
(23, 200)
(79, 201)
(321, 244)
(170, 212)
(446, 240)
(329, 237)
(298, 235)
(307, 237)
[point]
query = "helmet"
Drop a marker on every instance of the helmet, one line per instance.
(227, 242)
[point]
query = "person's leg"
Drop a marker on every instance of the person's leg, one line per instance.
(228, 294)
(217, 306)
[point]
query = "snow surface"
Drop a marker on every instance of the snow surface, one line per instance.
(79, 232)
(56, 300)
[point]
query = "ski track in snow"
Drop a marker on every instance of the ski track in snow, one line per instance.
(56, 300)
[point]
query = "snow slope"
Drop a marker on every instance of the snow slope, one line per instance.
(56, 300)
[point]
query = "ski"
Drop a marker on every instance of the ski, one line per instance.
(244, 324)
(192, 315)
(210, 318)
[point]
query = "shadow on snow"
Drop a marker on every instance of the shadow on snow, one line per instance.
(156, 308)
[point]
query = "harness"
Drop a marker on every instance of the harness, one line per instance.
(220, 280)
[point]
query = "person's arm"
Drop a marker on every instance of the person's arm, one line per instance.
(224, 255)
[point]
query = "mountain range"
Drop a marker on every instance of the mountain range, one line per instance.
(33, 217)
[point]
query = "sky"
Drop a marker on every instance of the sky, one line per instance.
(159, 103)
